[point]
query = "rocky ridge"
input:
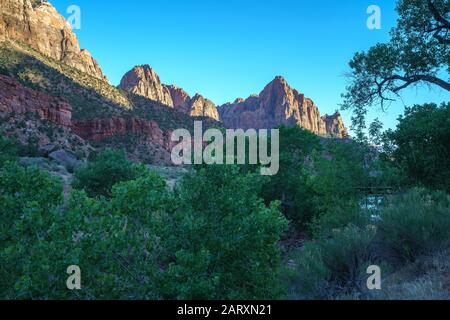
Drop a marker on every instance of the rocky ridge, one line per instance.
(144, 81)
(277, 104)
(39, 25)
(18, 100)
(280, 104)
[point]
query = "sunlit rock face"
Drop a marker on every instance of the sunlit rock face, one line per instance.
(144, 81)
(38, 25)
(280, 104)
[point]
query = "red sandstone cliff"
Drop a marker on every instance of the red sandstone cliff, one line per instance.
(15, 98)
(144, 81)
(279, 104)
(39, 25)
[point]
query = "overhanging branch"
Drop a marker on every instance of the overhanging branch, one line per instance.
(444, 24)
(439, 18)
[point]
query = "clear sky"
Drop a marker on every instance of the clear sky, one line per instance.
(226, 49)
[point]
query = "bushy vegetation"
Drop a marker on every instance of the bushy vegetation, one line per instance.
(422, 145)
(217, 234)
(290, 185)
(144, 242)
(334, 265)
(409, 226)
(415, 223)
(107, 169)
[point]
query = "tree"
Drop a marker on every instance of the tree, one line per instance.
(289, 185)
(337, 174)
(418, 53)
(145, 242)
(422, 145)
(228, 238)
(109, 168)
(28, 202)
(8, 150)
(375, 132)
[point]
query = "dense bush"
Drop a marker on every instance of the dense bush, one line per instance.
(415, 223)
(337, 173)
(231, 237)
(344, 214)
(145, 242)
(422, 145)
(28, 201)
(8, 150)
(290, 184)
(409, 226)
(25, 188)
(334, 265)
(108, 168)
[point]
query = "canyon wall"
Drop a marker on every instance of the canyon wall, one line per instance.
(38, 25)
(279, 104)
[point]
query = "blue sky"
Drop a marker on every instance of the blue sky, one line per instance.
(226, 49)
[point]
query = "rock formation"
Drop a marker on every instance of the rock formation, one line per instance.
(100, 129)
(144, 81)
(201, 107)
(20, 100)
(279, 104)
(17, 99)
(335, 125)
(180, 98)
(37, 24)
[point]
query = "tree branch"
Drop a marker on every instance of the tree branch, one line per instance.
(416, 78)
(384, 85)
(439, 18)
(444, 24)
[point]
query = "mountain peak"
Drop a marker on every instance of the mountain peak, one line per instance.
(279, 79)
(39, 25)
(277, 104)
(144, 81)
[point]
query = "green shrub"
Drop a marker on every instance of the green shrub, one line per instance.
(423, 145)
(29, 199)
(344, 214)
(334, 265)
(229, 237)
(415, 223)
(22, 188)
(290, 184)
(8, 150)
(336, 174)
(107, 169)
(144, 242)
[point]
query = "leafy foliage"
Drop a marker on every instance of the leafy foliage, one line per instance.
(417, 53)
(336, 175)
(422, 145)
(232, 237)
(415, 223)
(290, 184)
(27, 204)
(334, 265)
(8, 150)
(107, 169)
(145, 242)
